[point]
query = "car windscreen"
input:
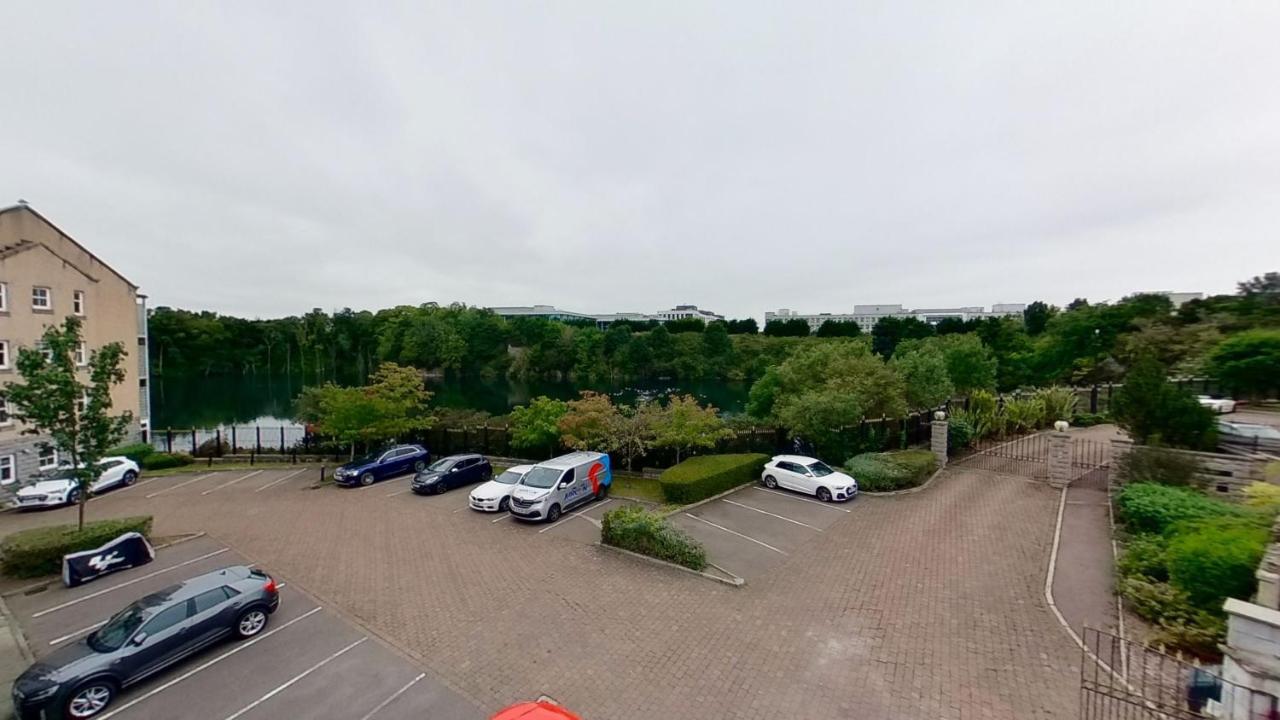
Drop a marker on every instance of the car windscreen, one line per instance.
(510, 477)
(541, 477)
(62, 474)
(365, 459)
(117, 631)
(820, 469)
(442, 465)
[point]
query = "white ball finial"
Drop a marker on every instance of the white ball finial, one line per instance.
(939, 415)
(1061, 426)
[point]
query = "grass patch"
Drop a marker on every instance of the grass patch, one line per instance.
(637, 488)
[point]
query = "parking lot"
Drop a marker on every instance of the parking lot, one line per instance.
(752, 530)
(309, 663)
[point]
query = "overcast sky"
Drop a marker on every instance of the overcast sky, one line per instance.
(266, 158)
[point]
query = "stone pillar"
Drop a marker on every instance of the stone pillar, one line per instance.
(1251, 657)
(938, 438)
(1059, 459)
(1120, 448)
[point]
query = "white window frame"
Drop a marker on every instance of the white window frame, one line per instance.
(41, 464)
(6, 412)
(8, 466)
(48, 298)
(77, 303)
(83, 402)
(82, 354)
(4, 296)
(4, 355)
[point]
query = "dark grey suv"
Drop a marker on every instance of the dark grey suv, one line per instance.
(80, 681)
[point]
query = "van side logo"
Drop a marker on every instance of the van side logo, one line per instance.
(102, 562)
(594, 476)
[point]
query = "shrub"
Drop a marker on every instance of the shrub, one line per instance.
(1216, 560)
(959, 434)
(1178, 624)
(161, 461)
(1263, 496)
(39, 551)
(1059, 403)
(1024, 413)
(1144, 558)
(1089, 419)
(1158, 465)
(1148, 507)
(638, 530)
(136, 452)
(883, 472)
(700, 477)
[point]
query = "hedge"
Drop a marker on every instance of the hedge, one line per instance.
(38, 551)
(161, 461)
(136, 452)
(883, 472)
(700, 477)
(648, 533)
(1216, 560)
(1148, 507)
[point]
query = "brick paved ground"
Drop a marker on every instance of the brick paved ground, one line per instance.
(919, 606)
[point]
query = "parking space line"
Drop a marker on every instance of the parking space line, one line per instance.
(193, 671)
(399, 492)
(804, 500)
(231, 482)
(735, 532)
(296, 678)
(175, 487)
(394, 695)
(77, 633)
(388, 481)
(500, 519)
(117, 491)
(765, 512)
(127, 583)
(574, 515)
(295, 473)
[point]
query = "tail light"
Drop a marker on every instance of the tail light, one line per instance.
(270, 587)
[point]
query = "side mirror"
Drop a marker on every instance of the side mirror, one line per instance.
(140, 638)
(453, 469)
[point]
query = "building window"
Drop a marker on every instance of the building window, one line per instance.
(41, 298)
(82, 355)
(4, 354)
(47, 457)
(6, 412)
(77, 302)
(83, 402)
(8, 473)
(4, 297)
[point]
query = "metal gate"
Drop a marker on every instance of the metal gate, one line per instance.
(1090, 464)
(1125, 680)
(1026, 456)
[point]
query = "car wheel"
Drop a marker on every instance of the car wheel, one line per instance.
(366, 479)
(824, 494)
(73, 497)
(130, 477)
(504, 504)
(602, 492)
(553, 514)
(418, 466)
(250, 623)
(770, 482)
(90, 699)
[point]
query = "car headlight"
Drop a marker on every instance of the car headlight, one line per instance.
(42, 693)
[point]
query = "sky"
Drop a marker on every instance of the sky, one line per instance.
(263, 159)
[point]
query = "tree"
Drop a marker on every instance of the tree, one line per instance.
(1036, 316)
(631, 431)
(683, 325)
(923, 370)
(684, 424)
(51, 400)
(1248, 363)
(717, 349)
(394, 403)
(970, 364)
(743, 327)
(952, 326)
(1156, 412)
(587, 422)
(839, 328)
(537, 425)
(889, 331)
(794, 327)
(1267, 286)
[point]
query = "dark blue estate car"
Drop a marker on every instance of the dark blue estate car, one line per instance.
(395, 460)
(451, 472)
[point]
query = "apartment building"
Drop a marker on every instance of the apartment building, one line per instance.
(45, 276)
(868, 315)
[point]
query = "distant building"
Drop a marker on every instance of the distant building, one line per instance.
(684, 312)
(603, 320)
(868, 315)
(543, 311)
(1177, 298)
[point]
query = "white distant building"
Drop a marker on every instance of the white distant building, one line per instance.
(1177, 298)
(551, 312)
(684, 312)
(868, 315)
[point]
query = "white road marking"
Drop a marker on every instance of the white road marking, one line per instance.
(231, 482)
(386, 482)
(800, 499)
(193, 671)
(573, 515)
(399, 492)
(394, 695)
(295, 473)
(127, 583)
(765, 512)
(735, 532)
(500, 519)
(184, 484)
(136, 484)
(295, 679)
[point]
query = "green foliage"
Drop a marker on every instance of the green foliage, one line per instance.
(1036, 317)
(794, 327)
(1144, 557)
(1263, 496)
(1216, 561)
(38, 551)
(743, 327)
(51, 399)
(1179, 624)
(1147, 507)
(136, 452)
(1084, 420)
(683, 325)
(1023, 413)
(698, 478)
(536, 426)
(164, 461)
(1248, 363)
(923, 370)
(587, 422)
(1155, 411)
(1145, 464)
(392, 404)
(633, 528)
(839, 328)
(889, 331)
(884, 472)
(960, 433)
(684, 425)
(1059, 403)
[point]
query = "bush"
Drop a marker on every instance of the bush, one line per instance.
(136, 452)
(1263, 496)
(638, 530)
(883, 472)
(39, 551)
(1089, 419)
(161, 461)
(1158, 465)
(1215, 561)
(1059, 403)
(1178, 624)
(1145, 558)
(698, 478)
(959, 434)
(1147, 507)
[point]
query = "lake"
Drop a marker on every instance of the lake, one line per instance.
(185, 402)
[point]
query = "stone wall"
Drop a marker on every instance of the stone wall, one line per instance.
(1220, 474)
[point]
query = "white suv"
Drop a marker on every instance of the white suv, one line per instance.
(61, 489)
(810, 476)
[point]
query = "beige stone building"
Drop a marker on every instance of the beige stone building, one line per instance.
(45, 275)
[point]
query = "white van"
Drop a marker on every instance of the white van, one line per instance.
(552, 488)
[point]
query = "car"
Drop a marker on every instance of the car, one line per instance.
(810, 476)
(495, 495)
(451, 472)
(1218, 405)
(539, 710)
(558, 485)
(61, 487)
(389, 462)
(80, 680)
(1248, 434)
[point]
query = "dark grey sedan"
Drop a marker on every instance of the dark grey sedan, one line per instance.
(80, 681)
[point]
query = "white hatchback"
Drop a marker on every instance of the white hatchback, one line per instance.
(1218, 405)
(495, 495)
(61, 488)
(810, 476)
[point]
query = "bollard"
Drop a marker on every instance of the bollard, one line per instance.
(252, 457)
(322, 474)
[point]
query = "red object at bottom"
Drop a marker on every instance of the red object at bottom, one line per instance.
(535, 711)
